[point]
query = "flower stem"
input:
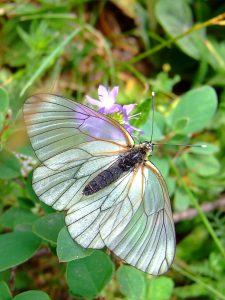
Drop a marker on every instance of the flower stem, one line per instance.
(172, 40)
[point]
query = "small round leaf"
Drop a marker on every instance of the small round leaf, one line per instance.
(87, 276)
(5, 293)
(16, 216)
(48, 226)
(204, 165)
(32, 295)
(131, 282)
(16, 248)
(199, 106)
(68, 249)
(9, 165)
(176, 18)
(160, 288)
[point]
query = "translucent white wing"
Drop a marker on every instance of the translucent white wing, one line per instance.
(84, 218)
(140, 229)
(74, 143)
(62, 131)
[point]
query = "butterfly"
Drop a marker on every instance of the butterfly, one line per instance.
(113, 195)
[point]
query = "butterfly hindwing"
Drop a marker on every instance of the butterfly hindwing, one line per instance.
(140, 230)
(84, 218)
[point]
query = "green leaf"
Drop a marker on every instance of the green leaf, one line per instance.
(176, 18)
(216, 263)
(16, 248)
(25, 203)
(48, 226)
(204, 165)
(161, 164)
(29, 188)
(145, 122)
(142, 108)
(4, 101)
(2, 120)
(14, 58)
(9, 165)
(157, 133)
(131, 282)
(171, 184)
(164, 83)
(180, 124)
(15, 216)
(200, 247)
(87, 276)
(49, 60)
(68, 249)
(191, 291)
(160, 288)
(178, 139)
(181, 200)
(199, 106)
(32, 295)
(5, 293)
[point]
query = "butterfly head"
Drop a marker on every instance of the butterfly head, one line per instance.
(148, 146)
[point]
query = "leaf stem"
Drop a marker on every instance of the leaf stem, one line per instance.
(172, 40)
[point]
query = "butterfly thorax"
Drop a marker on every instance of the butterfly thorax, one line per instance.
(126, 162)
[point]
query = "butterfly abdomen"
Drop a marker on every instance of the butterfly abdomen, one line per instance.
(126, 163)
(102, 180)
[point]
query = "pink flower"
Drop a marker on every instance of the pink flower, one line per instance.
(107, 99)
(107, 105)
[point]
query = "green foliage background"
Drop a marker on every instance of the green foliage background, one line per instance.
(175, 48)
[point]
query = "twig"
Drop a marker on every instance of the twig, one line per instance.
(12, 279)
(42, 251)
(192, 212)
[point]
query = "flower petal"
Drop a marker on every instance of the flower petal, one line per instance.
(103, 93)
(94, 101)
(131, 128)
(113, 93)
(128, 108)
(114, 108)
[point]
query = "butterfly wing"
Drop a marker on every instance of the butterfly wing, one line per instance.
(140, 228)
(61, 130)
(84, 218)
(74, 143)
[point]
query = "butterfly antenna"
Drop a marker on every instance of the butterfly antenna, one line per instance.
(153, 113)
(183, 145)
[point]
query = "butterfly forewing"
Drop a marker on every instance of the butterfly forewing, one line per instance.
(61, 130)
(72, 149)
(131, 215)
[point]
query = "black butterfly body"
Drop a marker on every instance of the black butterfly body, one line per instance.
(126, 162)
